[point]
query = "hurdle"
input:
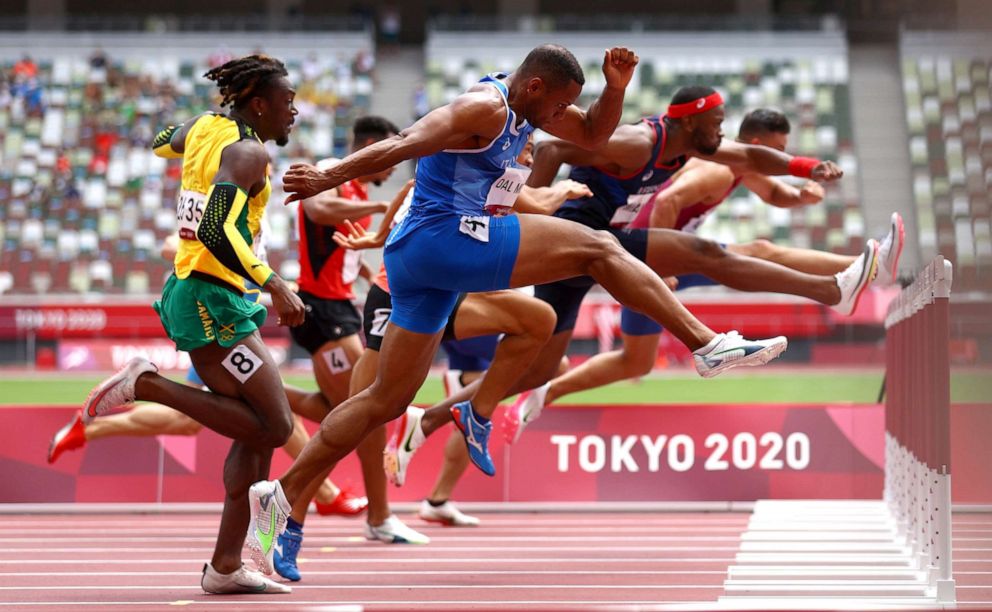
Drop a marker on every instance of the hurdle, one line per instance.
(917, 422)
(846, 554)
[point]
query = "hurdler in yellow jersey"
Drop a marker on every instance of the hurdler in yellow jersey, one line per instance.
(202, 302)
(224, 190)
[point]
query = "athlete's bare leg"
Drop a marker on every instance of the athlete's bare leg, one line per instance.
(327, 490)
(332, 365)
(803, 260)
(143, 420)
(370, 450)
(636, 358)
(455, 463)
(254, 412)
(673, 252)
(403, 365)
(527, 323)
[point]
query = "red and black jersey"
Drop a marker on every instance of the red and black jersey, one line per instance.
(326, 270)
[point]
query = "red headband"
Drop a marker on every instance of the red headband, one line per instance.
(677, 111)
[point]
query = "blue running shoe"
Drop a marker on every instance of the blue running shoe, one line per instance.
(476, 436)
(285, 550)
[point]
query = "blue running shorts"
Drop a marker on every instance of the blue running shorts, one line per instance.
(431, 261)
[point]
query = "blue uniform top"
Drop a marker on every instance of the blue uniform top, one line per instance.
(616, 200)
(462, 181)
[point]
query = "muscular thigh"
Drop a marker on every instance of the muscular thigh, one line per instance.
(671, 252)
(553, 249)
(332, 366)
(494, 312)
(244, 371)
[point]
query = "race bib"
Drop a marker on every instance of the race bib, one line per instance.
(380, 318)
(189, 211)
(337, 360)
(242, 363)
(628, 212)
(351, 266)
(476, 227)
(504, 191)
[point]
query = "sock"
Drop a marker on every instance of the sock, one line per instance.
(292, 525)
(709, 346)
(481, 420)
(437, 504)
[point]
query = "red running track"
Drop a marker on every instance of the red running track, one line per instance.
(567, 561)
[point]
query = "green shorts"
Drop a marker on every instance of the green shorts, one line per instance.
(196, 313)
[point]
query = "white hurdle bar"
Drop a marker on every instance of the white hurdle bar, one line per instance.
(917, 422)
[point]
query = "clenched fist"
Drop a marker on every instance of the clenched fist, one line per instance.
(618, 66)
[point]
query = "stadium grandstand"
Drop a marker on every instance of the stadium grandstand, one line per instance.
(819, 481)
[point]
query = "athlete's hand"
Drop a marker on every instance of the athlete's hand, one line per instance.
(302, 181)
(357, 238)
(811, 193)
(618, 66)
(672, 282)
(289, 307)
(573, 189)
(826, 171)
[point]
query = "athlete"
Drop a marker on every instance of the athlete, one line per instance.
(447, 245)
(223, 194)
(330, 334)
(682, 203)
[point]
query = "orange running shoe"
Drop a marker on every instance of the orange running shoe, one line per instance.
(70, 437)
(345, 504)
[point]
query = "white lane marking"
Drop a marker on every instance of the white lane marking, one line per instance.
(312, 540)
(309, 572)
(395, 550)
(402, 560)
(338, 587)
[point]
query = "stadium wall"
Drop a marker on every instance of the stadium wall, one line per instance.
(574, 453)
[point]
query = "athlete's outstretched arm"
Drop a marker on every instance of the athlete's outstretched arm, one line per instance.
(546, 200)
(628, 148)
(590, 129)
(766, 160)
(701, 182)
(328, 208)
(782, 195)
(357, 238)
(472, 116)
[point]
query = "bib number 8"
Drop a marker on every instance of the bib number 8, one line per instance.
(242, 363)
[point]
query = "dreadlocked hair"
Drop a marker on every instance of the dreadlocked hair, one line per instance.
(242, 78)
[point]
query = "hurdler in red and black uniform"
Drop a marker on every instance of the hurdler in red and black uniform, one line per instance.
(327, 272)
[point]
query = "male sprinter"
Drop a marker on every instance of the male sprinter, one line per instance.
(225, 187)
(447, 245)
(682, 203)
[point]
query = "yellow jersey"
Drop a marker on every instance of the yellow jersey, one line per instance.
(228, 224)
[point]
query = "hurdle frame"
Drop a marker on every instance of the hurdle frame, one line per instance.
(917, 423)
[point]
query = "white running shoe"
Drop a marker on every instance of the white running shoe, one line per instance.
(406, 439)
(238, 582)
(116, 390)
(890, 251)
(523, 412)
(446, 514)
(269, 511)
(731, 350)
(853, 281)
(394, 531)
(452, 382)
